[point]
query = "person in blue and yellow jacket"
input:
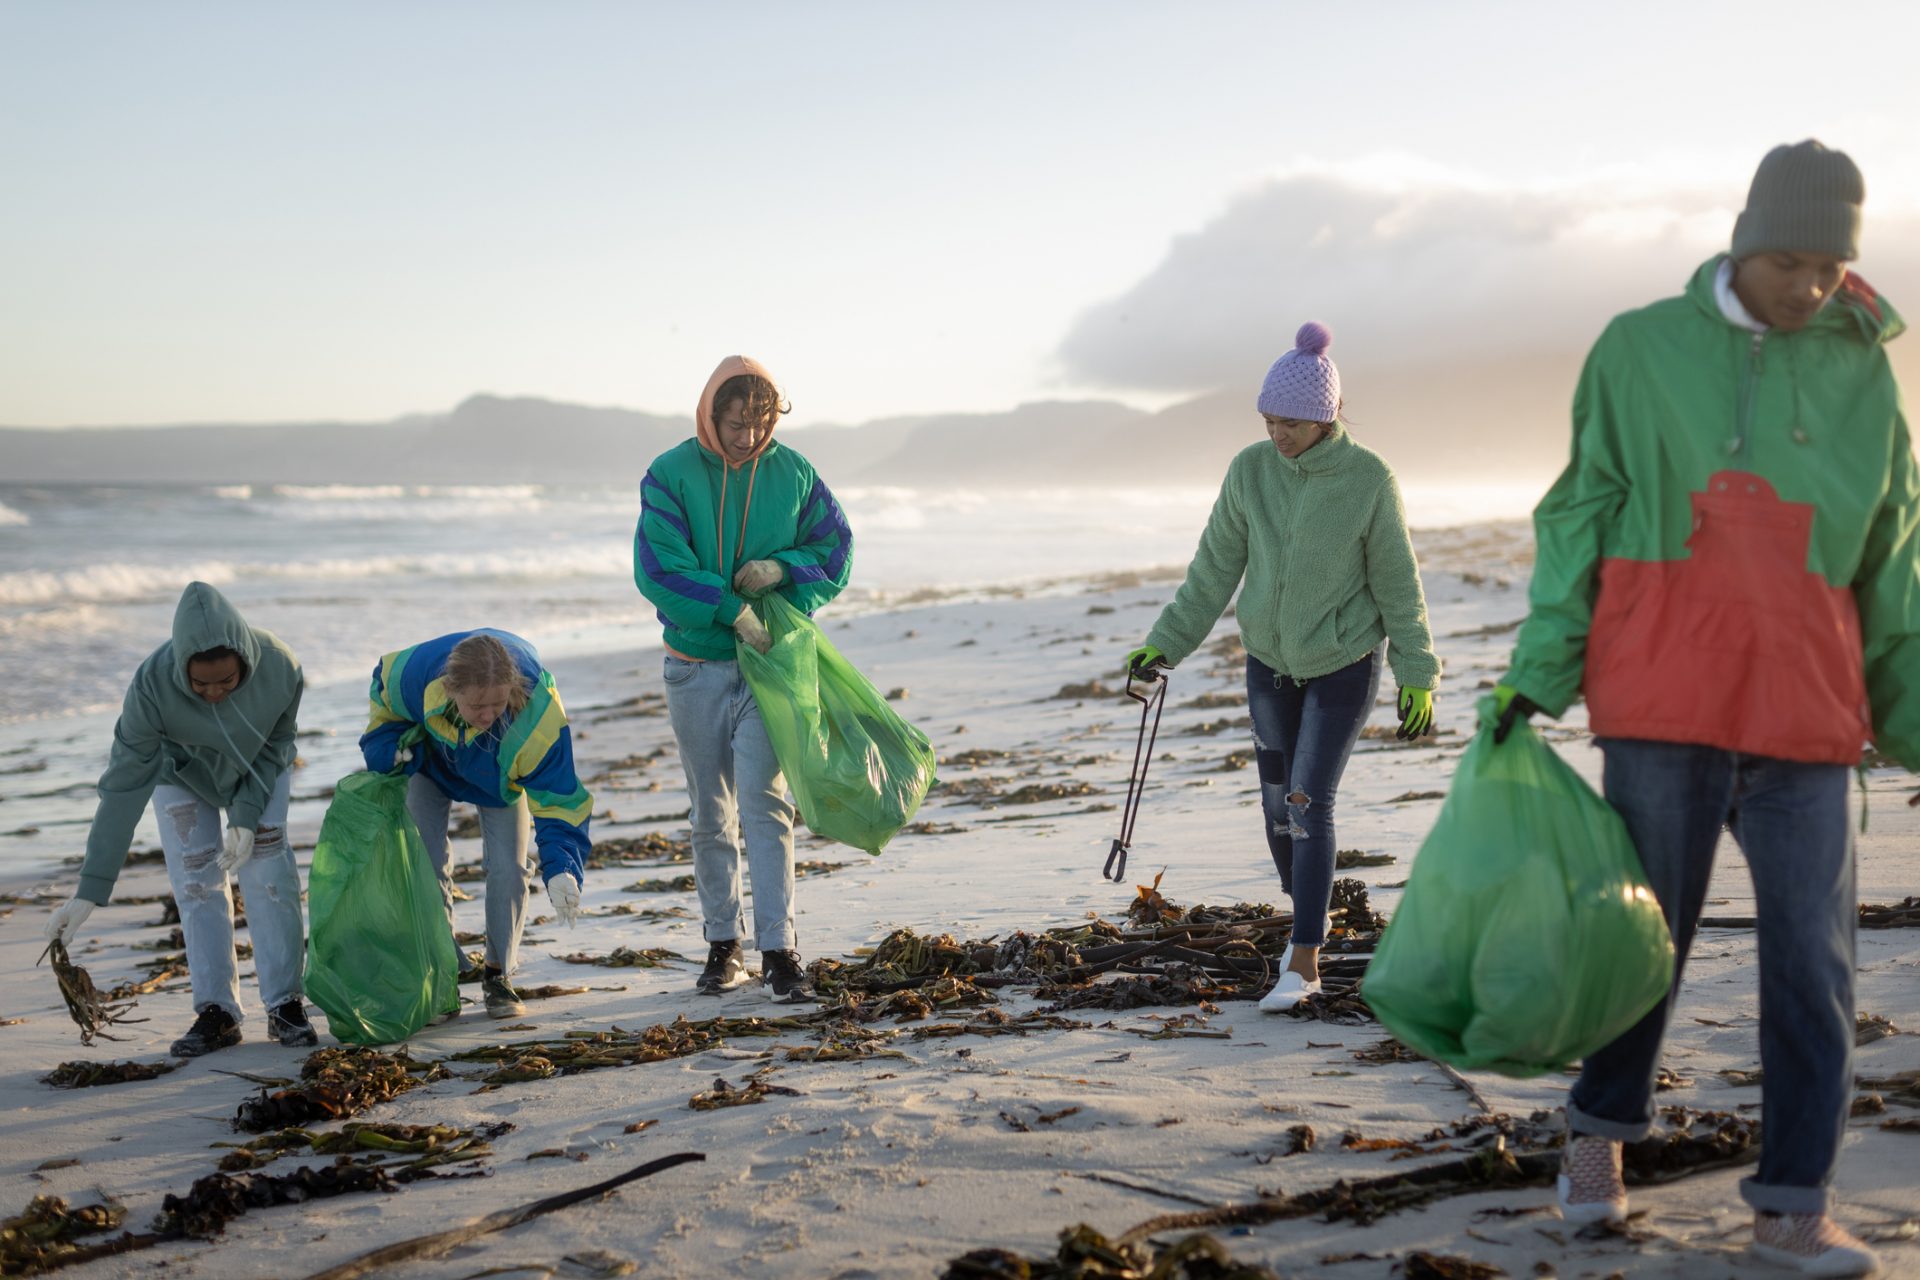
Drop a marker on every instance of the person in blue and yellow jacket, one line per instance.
(729, 515)
(473, 717)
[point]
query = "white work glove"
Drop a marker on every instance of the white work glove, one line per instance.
(64, 924)
(564, 891)
(756, 576)
(239, 848)
(748, 628)
(402, 756)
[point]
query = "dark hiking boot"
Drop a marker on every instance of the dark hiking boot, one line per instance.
(289, 1026)
(215, 1028)
(725, 970)
(502, 1000)
(784, 979)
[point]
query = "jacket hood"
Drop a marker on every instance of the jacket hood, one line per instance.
(205, 620)
(1856, 305)
(705, 431)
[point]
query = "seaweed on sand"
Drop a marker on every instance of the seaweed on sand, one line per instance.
(339, 1083)
(89, 1075)
(91, 1011)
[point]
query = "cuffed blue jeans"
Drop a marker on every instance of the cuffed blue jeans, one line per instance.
(503, 855)
(1790, 820)
(738, 797)
(1303, 735)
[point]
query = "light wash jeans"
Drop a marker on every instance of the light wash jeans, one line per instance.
(736, 789)
(1790, 820)
(503, 853)
(190, 836)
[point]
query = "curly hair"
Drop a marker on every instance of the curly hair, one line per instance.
(760, 399)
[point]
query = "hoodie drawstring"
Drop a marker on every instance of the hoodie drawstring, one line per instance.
(245, 763)
(720, 518)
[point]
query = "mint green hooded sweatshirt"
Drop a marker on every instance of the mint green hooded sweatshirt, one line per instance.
(229, 753)
(1322, 543)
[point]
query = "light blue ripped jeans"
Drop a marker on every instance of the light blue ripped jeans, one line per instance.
(190, 836)
(738, 795)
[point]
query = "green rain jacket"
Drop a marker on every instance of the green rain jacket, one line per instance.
(229, 753)
(1732, 556)
(1322, 543)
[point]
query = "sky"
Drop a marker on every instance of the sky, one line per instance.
(245, 212)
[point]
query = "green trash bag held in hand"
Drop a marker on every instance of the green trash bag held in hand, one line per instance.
(380, 961)
(1528, 936)
(858, 771)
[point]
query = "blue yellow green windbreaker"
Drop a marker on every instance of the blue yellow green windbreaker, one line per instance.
(529, 751)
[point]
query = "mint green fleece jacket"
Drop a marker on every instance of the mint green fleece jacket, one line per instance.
(1322, 543)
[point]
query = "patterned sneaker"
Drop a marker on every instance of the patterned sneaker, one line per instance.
(784, 979)
(288, 1025)
(725, 968)
(215, 1028)
(502, 1000)
(1590, 1189)
(1812, 1244)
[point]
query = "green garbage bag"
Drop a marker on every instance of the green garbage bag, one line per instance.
(858, 771)
(1528, 936)
(381, 962)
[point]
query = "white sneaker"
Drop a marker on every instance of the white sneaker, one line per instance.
(1589, 1187)
(1812, 1244)
(1290, 990)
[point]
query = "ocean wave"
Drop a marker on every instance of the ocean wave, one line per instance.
(234, 492)
(338, 492)
(108, 583)
(8, 516)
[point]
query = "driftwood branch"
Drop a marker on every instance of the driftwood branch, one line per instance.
(433, 1246)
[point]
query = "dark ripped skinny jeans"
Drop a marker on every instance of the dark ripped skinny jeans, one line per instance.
(1303, 733)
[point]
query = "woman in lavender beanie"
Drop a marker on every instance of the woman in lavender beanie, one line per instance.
(1312, 522)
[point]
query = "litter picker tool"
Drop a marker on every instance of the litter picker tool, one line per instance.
(1151, 704)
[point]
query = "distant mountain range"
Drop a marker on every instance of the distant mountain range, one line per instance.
(1462, 420)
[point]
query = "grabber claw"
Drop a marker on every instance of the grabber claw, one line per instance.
(1153, 702)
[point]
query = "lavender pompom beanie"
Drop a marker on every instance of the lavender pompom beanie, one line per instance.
(1303, 383)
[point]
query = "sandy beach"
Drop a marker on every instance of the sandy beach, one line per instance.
(893, 1164)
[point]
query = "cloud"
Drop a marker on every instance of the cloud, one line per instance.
(1418, 269)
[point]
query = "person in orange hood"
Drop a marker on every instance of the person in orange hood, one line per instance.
(726, 516)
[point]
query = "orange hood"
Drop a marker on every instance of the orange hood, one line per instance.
(731, 367)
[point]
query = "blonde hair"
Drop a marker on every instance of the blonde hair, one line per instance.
(483, 662)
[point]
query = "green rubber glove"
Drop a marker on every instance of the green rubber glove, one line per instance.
(1416, 714)
(1141, 661)
(1510, 706)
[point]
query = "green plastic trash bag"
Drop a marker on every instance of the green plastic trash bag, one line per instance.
(858, 771)
(1528, 936)
(381, 962)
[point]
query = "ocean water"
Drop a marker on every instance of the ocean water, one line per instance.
(89, 576)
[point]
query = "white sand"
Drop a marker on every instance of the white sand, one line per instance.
(891, 1167)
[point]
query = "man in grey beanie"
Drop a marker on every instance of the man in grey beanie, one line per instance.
(1729, 572)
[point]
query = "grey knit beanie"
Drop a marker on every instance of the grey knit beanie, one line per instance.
(1804, 199)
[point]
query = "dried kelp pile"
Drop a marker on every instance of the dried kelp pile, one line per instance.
(91, 1075)
(217, 1199)
(1904, 914)
(626, 958)
(580, 1051)
(651, 849)
(91, 1011)
(408, 1151)
(757, 1089)
(1085, 1254)
(46, 1236)
(339, 1083)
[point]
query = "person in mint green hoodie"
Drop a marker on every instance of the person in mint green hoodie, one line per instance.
(724, 517)
(1313, 523)
(208, 725)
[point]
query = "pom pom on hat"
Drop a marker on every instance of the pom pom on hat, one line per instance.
(1303, 383)
(1314, 338)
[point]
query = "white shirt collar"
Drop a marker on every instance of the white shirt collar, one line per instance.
(1730, 305)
